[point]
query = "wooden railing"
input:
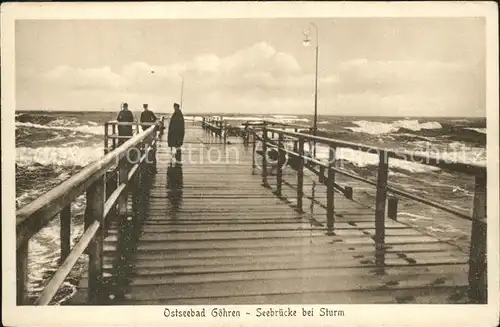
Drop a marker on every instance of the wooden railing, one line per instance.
(116, 138)
(107, 183)
(326, 172)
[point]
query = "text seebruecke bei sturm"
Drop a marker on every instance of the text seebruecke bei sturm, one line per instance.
(258, 312)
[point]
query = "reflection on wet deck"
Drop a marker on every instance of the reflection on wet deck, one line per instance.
(213, 234)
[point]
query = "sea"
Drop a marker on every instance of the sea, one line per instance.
(52, 146)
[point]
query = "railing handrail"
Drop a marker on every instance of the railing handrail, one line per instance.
(456, 166)
(35, 215)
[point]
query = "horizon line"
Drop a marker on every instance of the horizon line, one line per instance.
(244, 113)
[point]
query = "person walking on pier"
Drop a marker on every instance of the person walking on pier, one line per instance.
(124, 116)
(147, 116)
(176, 131)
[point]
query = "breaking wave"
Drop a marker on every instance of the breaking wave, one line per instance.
(371, 127)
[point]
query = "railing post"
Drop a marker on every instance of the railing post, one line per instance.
(478, 280)
(348, 192)
(330, 205)
(111, 183)
(225, 132)
(300, 174)
(113, 129)
(247, 135)
(264, 156)
(383, 170)
(123, 170)
(137, 186)
(94, 212)
(254, 147)
(321, 174)
(106, 141)
(65, 232)
(280, 162)
(22, 274)
(392, 208)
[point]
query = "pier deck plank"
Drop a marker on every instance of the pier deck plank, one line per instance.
(226, 239)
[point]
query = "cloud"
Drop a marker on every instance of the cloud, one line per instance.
(261, 79)
(76, 78)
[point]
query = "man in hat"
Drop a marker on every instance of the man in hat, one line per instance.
(147, 116)
(176, 130)
(124, 116)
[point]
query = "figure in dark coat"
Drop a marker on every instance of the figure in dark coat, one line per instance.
(147, 116)
(176, 128)
(125, 116)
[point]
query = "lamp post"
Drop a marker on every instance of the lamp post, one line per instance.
(307, 42)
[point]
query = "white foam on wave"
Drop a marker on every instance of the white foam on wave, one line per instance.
(45, 251)
(285, 120)
(87, 129)
(479, 130)
(363, 159)
(61, 156)
(375, 128)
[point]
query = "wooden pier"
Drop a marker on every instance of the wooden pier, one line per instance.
(225, 225)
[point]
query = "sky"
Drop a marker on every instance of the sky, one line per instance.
(367, 66)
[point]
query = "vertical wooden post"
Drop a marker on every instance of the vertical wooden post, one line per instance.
(254, 146)
(264, 156)
(123, 170)
(313, 197)
(478, 280)
(247, 134)
(392, 208)
(300, 174)
(94, 212)
(225, 132)
(321, 174)
(279, 172)
(348, 192)
(106, 143)
(383, 170)
(21, 274)
(330, 205)
(111, 183)
(113, 129)
(137, 189)
(65, 233)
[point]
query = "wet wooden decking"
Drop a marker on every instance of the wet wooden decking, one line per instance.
(215, 235)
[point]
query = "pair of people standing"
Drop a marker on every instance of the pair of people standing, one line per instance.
(126, 116)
